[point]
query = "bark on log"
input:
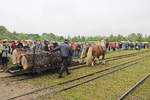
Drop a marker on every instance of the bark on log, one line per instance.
(35, 60)
(29, 59)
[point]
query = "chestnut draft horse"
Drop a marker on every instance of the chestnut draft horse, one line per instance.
(92, 52)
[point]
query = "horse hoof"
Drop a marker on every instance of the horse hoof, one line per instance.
(103, 62)
(93, 64)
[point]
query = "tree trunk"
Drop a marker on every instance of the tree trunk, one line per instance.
(29, 59)
(18, 53)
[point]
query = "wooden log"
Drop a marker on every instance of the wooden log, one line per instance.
(28, 59)
(39, 59)
(17, 53)
(15, 56)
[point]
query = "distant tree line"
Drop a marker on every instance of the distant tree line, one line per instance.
(133, 37)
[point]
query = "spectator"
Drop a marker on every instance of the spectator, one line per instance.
(19, 44)
(74, 48)
(13, 45)
(45, 46)
(1, 51)
(5, 53)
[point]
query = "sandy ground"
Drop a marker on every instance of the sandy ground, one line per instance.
(10, 89)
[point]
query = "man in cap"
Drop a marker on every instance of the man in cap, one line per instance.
(66, 54)
(19, 44)
(45, 46)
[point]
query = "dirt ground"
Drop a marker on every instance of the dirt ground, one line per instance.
(10, 89)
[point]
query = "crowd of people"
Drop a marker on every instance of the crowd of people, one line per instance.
(126, 45)
(45, 45)
(67, 49)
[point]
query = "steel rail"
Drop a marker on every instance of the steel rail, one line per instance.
(82, 64)
(70, 69)
(134, 86)
(87, 81)
(72, 80)
(27, 78)
(111, 59)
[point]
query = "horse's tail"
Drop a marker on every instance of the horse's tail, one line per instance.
(89, 57)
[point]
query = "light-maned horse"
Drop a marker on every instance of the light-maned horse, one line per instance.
(91, 52)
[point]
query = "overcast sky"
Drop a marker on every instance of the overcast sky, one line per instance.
(76, 17)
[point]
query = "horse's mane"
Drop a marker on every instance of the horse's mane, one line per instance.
(85, 50)
(89, 56)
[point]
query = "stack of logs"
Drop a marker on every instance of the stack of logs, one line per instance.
(30, 58)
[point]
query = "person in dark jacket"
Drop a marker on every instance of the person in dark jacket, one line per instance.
(45, 47)
(55, 44)
(66, 54)
(19, 45)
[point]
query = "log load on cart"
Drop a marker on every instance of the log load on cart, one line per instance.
(31, 61)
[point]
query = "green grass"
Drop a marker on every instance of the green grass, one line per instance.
(52, 78)
(117, 53)
(142, 92)
(109, 87)
(106, 88)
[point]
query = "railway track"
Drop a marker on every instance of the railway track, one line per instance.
(109, 58)
(78, 67)
(112, 59)
(99, 74)
(124, 95)
(82, 64)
